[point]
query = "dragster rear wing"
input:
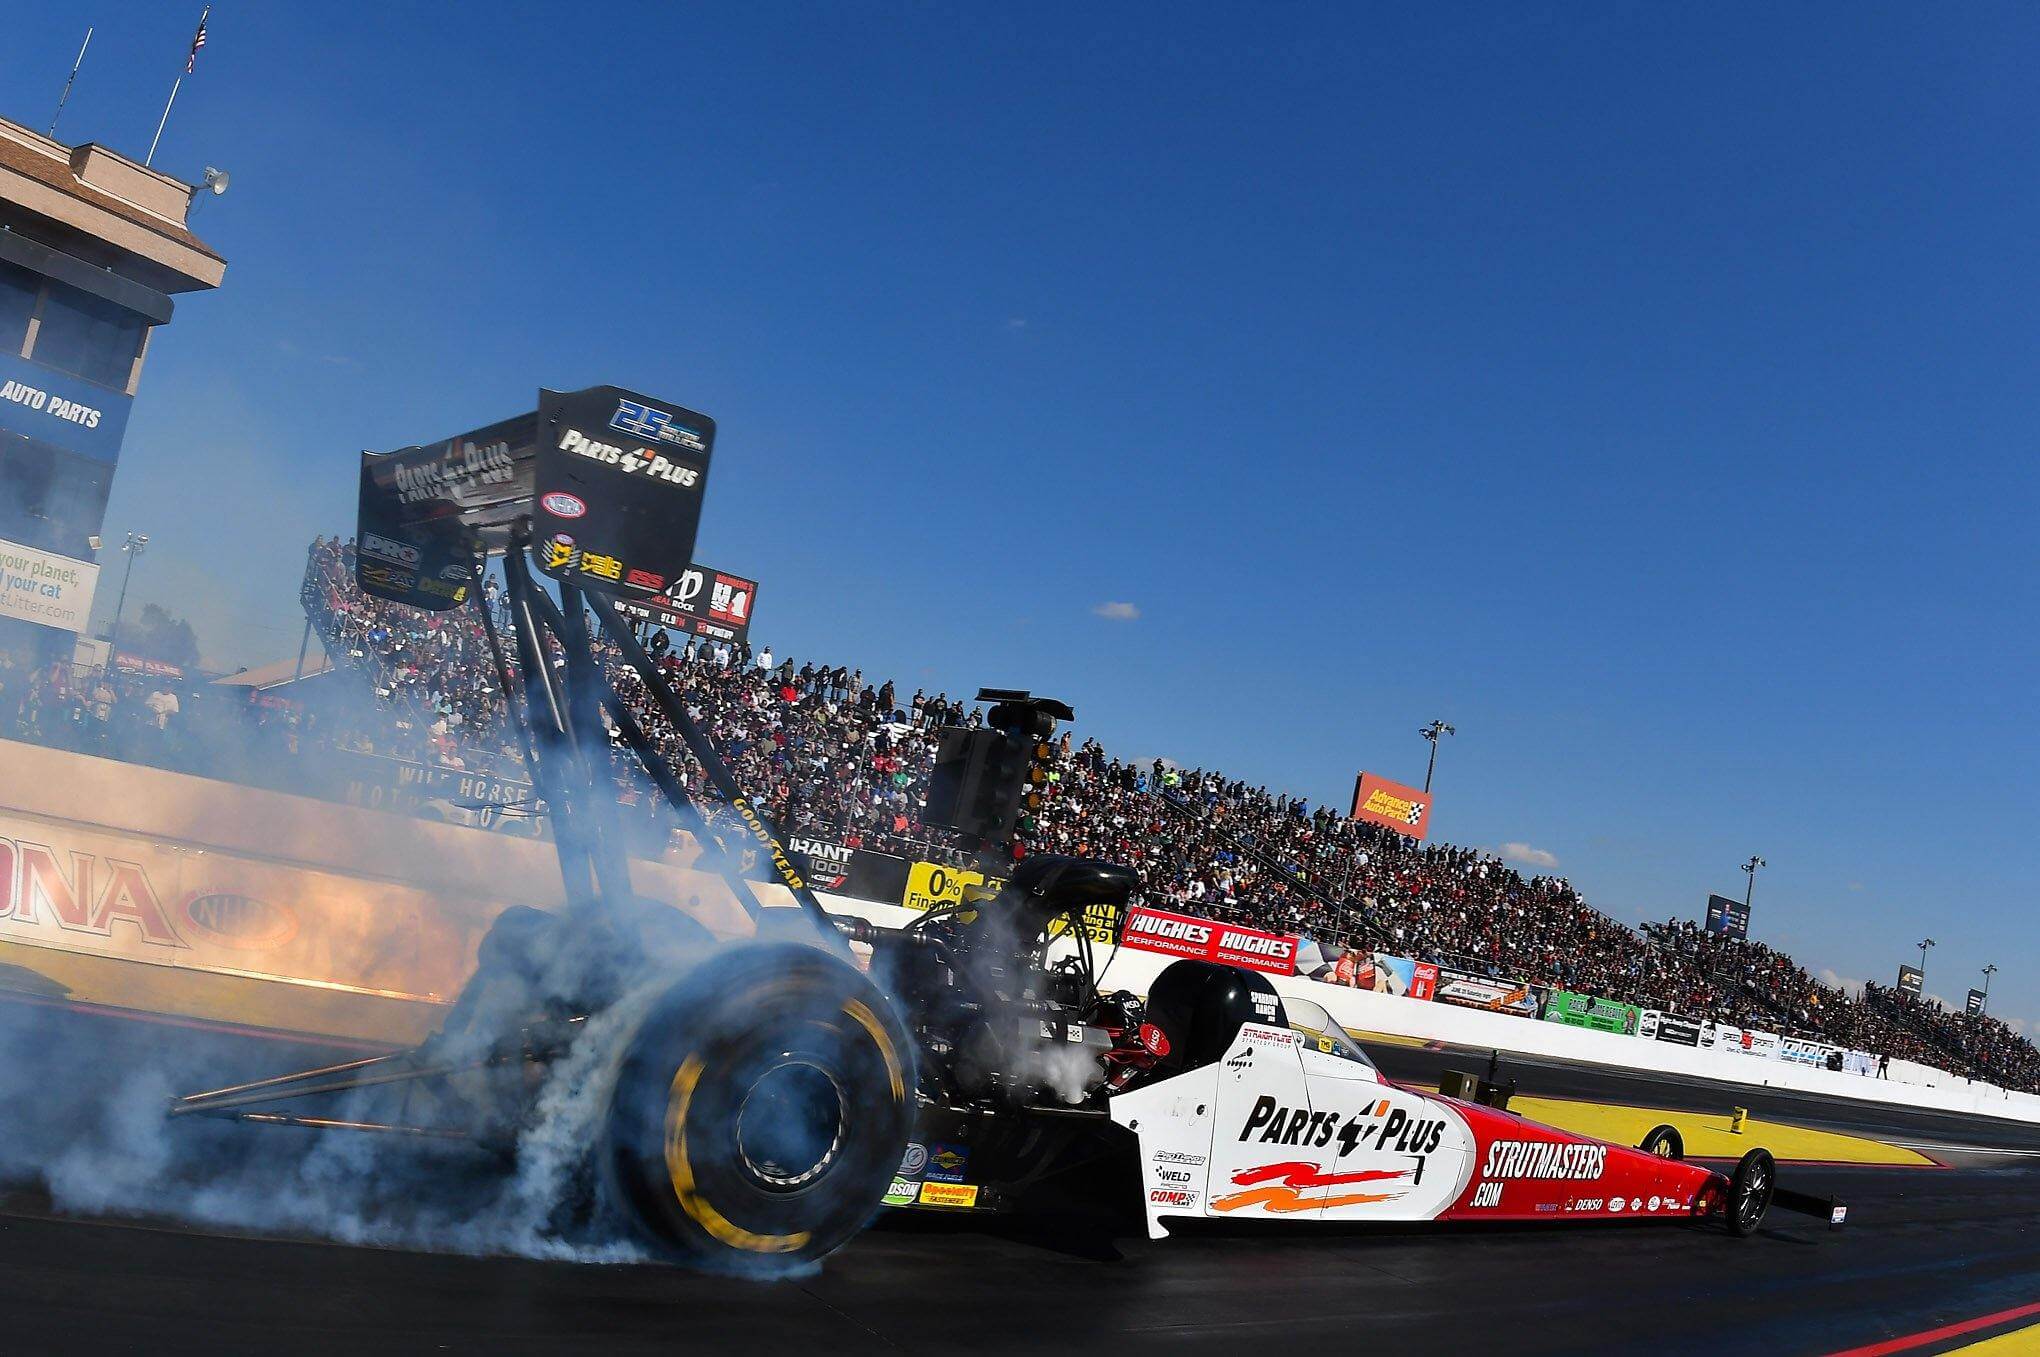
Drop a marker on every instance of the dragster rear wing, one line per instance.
(612, 482)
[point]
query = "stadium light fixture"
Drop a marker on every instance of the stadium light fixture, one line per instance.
(136, 542)
(1751, 866)
(1431, 733)
(1988, 972)
(1925, 943)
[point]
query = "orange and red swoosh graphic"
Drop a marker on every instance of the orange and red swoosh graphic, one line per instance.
(1297, 1177)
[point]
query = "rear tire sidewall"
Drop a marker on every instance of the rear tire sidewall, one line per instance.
(679, 1154)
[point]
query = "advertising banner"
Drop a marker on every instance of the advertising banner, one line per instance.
(1800, 1051)
(1731, 917)
(1378, 801)
(1469, 990)
(379, 782)
(1859, 1062)
(1358, 968)
(1975, 1002)
(839, 869)
(117, 895)
(1101, 922)
(619, 483)
(64, 411)
(1600, 1015)
(1720, 1036)
(1182, 935)
(929, 884)
(1909, 981)
(1656, 1025)
(700, 601)
(43, 587)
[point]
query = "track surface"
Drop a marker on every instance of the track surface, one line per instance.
(1925, 1247)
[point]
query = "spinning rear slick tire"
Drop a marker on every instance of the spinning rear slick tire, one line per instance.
(761, 1109)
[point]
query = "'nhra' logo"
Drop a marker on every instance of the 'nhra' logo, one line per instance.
(656, 426)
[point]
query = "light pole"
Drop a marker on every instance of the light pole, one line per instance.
(1925, 943)
(1751, 866)
(1988, 972)
(134, 546)
(1431, 733)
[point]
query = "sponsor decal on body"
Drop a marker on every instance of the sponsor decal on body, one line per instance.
(1281, 1188)
(645, 462)
(1382, 1127)
(1544, 1159)
(1176, 1198)
(560, 504)
(388, 549)
(946, 1163)
(949, 1194)
(460, 467)
(655, 426)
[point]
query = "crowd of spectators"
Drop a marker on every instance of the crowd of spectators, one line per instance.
(831, 753)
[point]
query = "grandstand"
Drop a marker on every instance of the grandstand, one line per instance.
(831, 754)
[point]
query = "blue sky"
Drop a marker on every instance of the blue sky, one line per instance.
(1651, 394)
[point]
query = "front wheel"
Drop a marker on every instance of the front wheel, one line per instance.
(1665, 1142)
(760, 1110)
(1749, 1192)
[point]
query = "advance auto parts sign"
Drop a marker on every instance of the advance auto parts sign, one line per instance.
(1182, 935)
(1378, 801)
(620, 480)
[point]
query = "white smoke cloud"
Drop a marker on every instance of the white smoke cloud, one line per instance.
(1117, 612)
(1528, 856)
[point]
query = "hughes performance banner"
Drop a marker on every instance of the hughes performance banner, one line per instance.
(1181, 935)
(1391, 805)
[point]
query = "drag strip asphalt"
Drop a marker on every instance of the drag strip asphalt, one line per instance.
(1924, 1248)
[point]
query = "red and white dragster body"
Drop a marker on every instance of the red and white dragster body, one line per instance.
(1299, 1125)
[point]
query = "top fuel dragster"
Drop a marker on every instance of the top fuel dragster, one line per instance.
(768, 1097)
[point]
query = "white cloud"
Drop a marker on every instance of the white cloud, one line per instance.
(1828, 976)
(1528, 856)
(1117, 612)
(1016, 322)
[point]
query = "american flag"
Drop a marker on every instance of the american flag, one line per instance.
(197, 41)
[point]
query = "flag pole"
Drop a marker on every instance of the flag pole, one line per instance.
(196, 42)
(160, 121)
(65, 97)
